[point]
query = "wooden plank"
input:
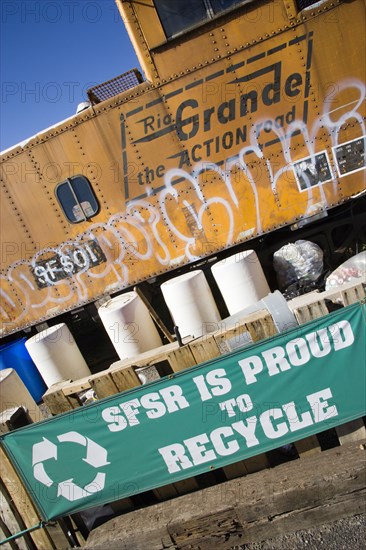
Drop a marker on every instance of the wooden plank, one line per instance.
(181, 358)
(292, 496)
(103, 384)
(307, 446)
(346, 294)
(353, 294)
(125, 378)
(8, 528)
(13, 519)
(232, 338)
(56, 400)
(76, 386)
(186, 485)
(121, 506)
(351, 431)
(150, 357)
(256, 463)
(237, 469)
(311, 311)
(260, 325)
(25, 506)
(208, 531)
(154, 314)
(166, 492)
(174, 489)
(204, 349)
(304, 299)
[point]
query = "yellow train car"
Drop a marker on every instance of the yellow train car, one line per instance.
(246, 131)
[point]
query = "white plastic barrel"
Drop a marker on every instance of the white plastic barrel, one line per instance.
(13, 393)
(56, 355)
(129, 325)
(191, 304)
(241, 280)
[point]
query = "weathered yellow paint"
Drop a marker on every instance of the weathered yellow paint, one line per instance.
(187, 165)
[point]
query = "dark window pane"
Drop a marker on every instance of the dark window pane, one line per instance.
(302, 4)
(77, 199)
(178, 15)
(221, 5)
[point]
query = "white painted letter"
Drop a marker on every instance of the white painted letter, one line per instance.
(270, 430)
(174, 398)
(250, 367)
(116, 421)
(342, 335)
(220, 385)
(198, 450)
(319, 342)
(216, 438)
(175, 458)
(273, 357)
(152, 401)
(131, 409)
(244, 403)
(247, 431)
(320, 406)
(298, 352)
(296, 422)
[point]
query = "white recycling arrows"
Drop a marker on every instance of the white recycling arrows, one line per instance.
(40, 474)
(43, 451)
(69, 490)
(96, 457)
(97, 484)
(95, 454)
(72, 437)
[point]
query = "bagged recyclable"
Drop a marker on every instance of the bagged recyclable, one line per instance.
(300, 263)
(353, 270)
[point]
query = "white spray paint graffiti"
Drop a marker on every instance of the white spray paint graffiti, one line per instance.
(141, 233)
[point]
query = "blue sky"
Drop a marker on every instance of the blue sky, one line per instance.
(52, 51)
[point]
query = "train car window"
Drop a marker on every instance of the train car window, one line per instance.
(77, 199)
(221, 5)
(179, 15)
(302, 4)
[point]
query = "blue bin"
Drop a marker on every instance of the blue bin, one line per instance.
(15, 356)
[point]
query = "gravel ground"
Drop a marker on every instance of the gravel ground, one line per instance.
(344, 534)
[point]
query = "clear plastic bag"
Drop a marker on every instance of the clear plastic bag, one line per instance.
(301, 261)
(353, 270)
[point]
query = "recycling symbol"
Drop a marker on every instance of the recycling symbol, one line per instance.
(96, 457)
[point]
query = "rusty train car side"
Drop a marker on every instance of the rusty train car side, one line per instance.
(247, 132)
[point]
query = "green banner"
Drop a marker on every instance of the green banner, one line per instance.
(239, 405)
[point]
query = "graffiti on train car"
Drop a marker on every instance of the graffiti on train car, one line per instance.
(225, 157)
(128, 238)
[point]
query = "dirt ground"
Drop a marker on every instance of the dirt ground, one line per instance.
(344, 534)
